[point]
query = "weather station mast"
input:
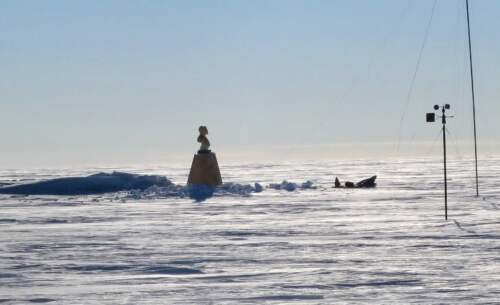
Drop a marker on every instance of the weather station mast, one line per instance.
(431, 117)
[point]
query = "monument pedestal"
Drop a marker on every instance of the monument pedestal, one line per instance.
(205, 170)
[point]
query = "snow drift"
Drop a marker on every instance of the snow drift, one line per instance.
(132, 186)
(95, 184)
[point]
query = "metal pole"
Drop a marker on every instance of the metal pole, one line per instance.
(473, 97)
(445, 173)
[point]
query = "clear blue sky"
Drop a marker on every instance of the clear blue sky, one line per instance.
(130, 81)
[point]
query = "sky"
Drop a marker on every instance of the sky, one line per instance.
(129, 82)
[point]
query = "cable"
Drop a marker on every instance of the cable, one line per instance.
(454, 142)
(438, 135)
(355, 81)
(414, 77)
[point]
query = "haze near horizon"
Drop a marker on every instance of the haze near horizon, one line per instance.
(130, 82)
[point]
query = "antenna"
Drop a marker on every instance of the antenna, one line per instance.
(430, 118)
(473, 97)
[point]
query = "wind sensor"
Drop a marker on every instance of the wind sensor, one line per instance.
(431, 118)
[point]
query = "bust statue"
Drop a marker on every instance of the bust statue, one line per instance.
(204, 169)
(202, 138)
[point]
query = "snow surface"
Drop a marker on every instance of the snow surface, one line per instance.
(258, 240)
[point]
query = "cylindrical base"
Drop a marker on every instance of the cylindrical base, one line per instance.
(205, 170)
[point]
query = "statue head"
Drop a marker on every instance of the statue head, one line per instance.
(203, 130)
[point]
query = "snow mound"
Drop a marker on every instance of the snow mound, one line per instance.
(94, 184)
(290, 186)
(203, 192)
(197, 192)
(141, 187)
